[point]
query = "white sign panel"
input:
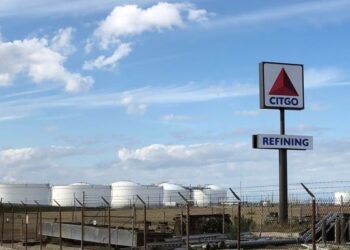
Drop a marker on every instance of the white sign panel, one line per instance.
(296, 142)
(281, 86)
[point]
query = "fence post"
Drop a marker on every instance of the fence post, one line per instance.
(133, 224)
(2, 221)
(223, 218)
(26, 224)
(82, 221)
(41, 224)
(313, 216)
(109, 221)
(12, 223)
(239, 219)
(60, 216)
(188, 221)
(144, 221)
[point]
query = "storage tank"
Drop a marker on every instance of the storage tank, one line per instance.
(209, 194)
(124, 194)
(66, 195)
(26, 193)
(171, 195)
(341, 198)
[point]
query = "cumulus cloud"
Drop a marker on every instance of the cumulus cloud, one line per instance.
(122, 51)
(62, 41)
(168, 156)
(35, 59)
(127, 21)
(198, 15)
(19, 164)
(132, 106)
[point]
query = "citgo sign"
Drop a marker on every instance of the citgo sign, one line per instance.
(281, 86)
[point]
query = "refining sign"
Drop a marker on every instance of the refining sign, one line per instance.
(294, 142)
(281, 86)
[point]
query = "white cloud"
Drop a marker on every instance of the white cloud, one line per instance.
(247, 112)
(122, 51)
(305, 9)
(127, 21)
(170, 156)
(11, 117)
(62, 41)
(325, 77)
(198, 15)
(132, 107)
(172, 117)
(230, 163)
(28, 8)
(135, 101)
(34, 58)
(36, 164)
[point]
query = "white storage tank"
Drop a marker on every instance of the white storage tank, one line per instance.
(66, 195)
(171, 195)
(26, 193)
(341, 198)
(208, 195)
(124, 194)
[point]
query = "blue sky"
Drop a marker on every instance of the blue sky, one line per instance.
(150, 91)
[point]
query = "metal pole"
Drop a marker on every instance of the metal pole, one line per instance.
(109, 222)
(223, 218)
(187, 222)
(239, 219)
(313, 216)
(133, 224)
(41, 225)
(26, 224)
(82, 221)
(12, 224)
(2, 222)
(283, 176)
(60, 225)
(144, 222)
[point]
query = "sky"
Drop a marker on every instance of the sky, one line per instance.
(149, 91)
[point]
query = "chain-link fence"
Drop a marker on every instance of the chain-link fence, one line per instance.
(236, 220)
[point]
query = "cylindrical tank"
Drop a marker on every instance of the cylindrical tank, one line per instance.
(209, 194)
(124, 194)
(26, 193)
(171, 195)
(66, 195)
(341, 198)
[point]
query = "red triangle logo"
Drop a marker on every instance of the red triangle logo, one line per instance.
(283, 85)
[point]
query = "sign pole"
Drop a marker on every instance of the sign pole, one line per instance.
(283, 176)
